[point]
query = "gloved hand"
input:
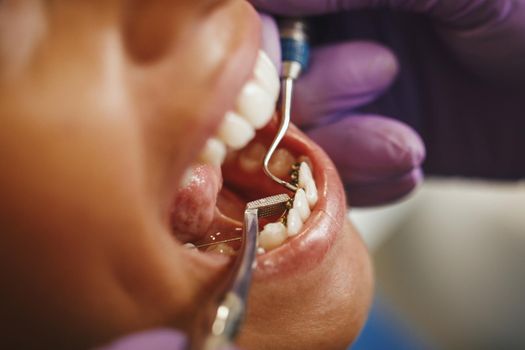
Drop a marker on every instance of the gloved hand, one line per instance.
(155, 339)
(460, 85)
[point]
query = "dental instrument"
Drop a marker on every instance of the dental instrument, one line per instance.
(295, 56)
(230, 313)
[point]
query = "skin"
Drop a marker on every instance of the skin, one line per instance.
(314, 291)
(96, 132)
(323, 308)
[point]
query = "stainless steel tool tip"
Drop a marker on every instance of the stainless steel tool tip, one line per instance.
(269, 206)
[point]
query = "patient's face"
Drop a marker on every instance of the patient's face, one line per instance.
(104, 107)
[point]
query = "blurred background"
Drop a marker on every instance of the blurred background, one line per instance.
(450, 268)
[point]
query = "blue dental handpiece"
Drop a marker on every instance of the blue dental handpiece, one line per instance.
(294, 47)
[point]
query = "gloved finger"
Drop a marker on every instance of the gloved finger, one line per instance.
(383, 192)
(270, 39)
(156, 339)
(370, 148)
(488, 36)
(465, 13)
(340, 78)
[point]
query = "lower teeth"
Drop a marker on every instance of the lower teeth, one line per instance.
(275, 234)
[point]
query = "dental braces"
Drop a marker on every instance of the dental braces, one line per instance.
(300, 179)
(294, 181)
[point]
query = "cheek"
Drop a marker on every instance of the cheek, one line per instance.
(187, 92)
(69, 198)
(85, 249)
(81, 250)
(324, 308)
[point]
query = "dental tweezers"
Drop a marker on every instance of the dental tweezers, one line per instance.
(230, 313)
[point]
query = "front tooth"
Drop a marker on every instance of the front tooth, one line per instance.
(311, 192)
(280, 162)
(266, 75)
(272, 236)
(300, 203)
(255, 105)
(214, 152)
(305, 175)
(235, 131)
(221, 248)
(293, 222)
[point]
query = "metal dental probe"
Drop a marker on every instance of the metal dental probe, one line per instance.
(230, 313)
(295, 57)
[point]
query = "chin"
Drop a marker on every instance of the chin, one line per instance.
(324, 307)
(312, 290)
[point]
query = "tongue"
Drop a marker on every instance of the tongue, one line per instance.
(193, 208)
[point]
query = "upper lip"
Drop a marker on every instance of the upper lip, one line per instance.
(233, 59)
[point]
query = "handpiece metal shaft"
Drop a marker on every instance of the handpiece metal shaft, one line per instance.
(286, 107)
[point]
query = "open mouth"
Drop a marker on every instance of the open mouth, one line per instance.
(208, 208)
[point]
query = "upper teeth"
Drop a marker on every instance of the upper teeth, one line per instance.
(235, 131)
(266, 75)
(253, 110)
(255, 104)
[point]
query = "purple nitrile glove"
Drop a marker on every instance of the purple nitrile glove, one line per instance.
(461, 85)
(155, 339)
(378, 158)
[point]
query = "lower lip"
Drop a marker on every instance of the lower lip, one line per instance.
(308, 249)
